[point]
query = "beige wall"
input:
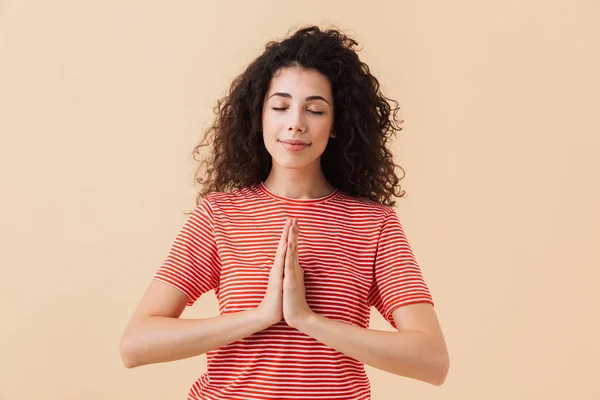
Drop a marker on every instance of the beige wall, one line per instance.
(102, 102)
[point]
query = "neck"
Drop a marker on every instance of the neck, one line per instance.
(298, 183)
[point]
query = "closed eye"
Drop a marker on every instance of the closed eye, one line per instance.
(310, 111)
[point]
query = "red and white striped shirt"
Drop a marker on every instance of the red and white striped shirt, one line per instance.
(354, 254)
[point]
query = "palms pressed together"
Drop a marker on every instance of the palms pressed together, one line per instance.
(286, 294)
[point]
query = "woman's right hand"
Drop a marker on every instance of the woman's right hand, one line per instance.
(271, 307)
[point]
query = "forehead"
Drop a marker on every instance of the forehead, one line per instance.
(300, 82)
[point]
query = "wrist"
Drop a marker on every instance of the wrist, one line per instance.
(303, 322)
(264, 318)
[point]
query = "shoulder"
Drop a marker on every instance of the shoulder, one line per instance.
(365, 207)
(237, 198)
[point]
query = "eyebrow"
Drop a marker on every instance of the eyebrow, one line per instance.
(289, 96)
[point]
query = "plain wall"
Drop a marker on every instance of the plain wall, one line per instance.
(101, 104)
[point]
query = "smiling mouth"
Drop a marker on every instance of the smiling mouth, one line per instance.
(294, 147)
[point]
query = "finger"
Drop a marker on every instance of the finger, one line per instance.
(293, 237)
(289, 256)
(284, 235)
(295, 262)
(296, 230)
(295, 242)
(297, 235)
(282, 248)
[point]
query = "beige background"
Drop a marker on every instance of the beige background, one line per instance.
(102, 102)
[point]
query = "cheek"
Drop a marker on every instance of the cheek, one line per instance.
(323, 128)
(270, 134)
(270, 126)
(324, 122)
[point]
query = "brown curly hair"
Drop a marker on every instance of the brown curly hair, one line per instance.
(357, 161)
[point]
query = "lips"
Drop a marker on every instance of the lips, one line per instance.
(299, 142)
(294, 145)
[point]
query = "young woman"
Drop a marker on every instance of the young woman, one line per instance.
(294, 230)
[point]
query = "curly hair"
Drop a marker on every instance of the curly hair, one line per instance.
(357, 161)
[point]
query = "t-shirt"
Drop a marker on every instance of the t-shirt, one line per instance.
(354, 254)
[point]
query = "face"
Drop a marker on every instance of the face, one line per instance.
(297, 117)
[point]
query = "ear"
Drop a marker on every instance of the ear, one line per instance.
(332, 134)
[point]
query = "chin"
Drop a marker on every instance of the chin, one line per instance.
(291, 164)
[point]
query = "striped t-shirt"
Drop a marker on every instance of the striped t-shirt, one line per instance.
(354, 254)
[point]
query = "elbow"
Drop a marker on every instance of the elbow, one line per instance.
(440, 369)
(127, 352)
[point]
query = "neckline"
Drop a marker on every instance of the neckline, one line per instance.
(290, 200)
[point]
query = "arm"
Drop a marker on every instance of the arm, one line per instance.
(417, 350)
(156, 334)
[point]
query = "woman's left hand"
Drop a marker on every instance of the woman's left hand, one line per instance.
(295, 307)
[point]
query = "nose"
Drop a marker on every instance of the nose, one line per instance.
(296, 122)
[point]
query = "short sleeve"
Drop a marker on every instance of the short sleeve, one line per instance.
(192, 264)
(397, 278)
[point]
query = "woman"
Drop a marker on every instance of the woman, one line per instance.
(295, 231)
